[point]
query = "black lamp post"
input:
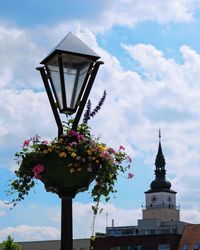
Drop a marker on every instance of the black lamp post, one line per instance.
(68, 73)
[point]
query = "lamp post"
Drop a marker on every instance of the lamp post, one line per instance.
(68, 73)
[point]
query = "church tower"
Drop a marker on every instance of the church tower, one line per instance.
(160, 198)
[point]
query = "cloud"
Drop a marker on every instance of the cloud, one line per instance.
(190, 215)
(3, 208)
(83, 218)
(162, 94)
(30, 233)
(83, 222)
(132, 12)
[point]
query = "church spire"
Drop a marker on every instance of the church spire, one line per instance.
(160, 160)
(160, 181)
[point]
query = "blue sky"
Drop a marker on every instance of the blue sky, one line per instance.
(151, 57)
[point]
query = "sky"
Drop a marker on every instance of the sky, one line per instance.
(151, 54)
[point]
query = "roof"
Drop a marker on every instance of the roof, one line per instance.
(190, 237)
(72, 44)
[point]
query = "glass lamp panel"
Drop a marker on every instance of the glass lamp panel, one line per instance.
(53, 69)
(75, 71)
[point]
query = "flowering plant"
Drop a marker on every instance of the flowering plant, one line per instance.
(81, 151)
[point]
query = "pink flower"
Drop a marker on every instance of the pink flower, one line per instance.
(121, 147)
(45, 142)
(37, 170)
(73, 132)
(80, 137)
(26, 143)
(78, 158)
(73, 144)
(111, 150)
(130, 175)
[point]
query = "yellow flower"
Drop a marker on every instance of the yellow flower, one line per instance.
(102, 148)
(97, 161)
(69, 148)
(62, 154)
(89, 152)
(73, 155)
(50, 149)
(79, 169)
(45, 151)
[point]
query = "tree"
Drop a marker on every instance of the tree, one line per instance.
(9, 244)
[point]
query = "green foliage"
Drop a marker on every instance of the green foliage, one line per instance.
(82, 150)
(9, 244)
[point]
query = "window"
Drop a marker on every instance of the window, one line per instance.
(196, 246)
(185, 247)
(164, 247)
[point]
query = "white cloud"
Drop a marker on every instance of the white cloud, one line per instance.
(83, 218)
(3, 208)
(190, 215)
(164, 94)
(23, 114)
(131, 12)
(30, 233)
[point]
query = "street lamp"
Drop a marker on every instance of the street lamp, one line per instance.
(68, 73)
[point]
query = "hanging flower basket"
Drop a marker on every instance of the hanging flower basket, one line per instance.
(69, 164)
(60, 175)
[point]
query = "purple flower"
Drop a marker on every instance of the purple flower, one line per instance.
(88, 114)
(36, 138)
(129, 159)
(98, 107)
(130, 175)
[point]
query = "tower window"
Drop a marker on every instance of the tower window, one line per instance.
(196, 246)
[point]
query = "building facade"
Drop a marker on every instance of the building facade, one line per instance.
(160, 227)
(78, 244)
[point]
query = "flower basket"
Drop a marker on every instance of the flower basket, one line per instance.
(63, 178)
(68, 165)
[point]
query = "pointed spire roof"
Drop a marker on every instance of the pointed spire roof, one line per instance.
(160, 183)
(71, 44)
(160, 159)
